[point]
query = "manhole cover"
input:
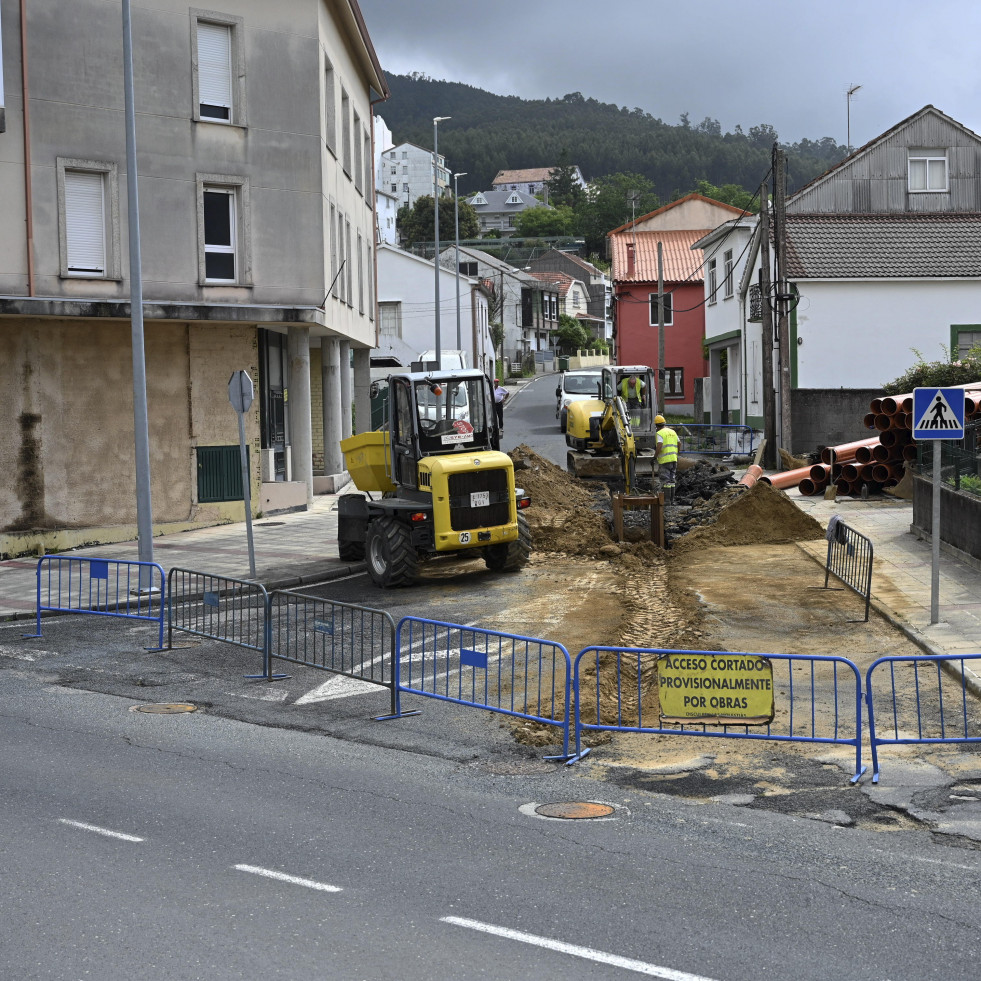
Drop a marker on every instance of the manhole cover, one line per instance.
(270, 524)
(574, 810)
(164, 708)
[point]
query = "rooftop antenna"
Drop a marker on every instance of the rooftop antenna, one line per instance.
(852, 89)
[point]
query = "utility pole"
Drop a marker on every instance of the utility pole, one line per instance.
(660, 329)
(766, 335)
(783, 296)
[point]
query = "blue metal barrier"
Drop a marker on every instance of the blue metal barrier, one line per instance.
(519, 676)
(354, 641)
(696, 439)
(616, 690)
(928, 705)
(234, 611)
(102, 587)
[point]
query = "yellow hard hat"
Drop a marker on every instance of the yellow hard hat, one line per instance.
(659, 420)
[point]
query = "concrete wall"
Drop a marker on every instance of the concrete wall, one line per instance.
(829, 417)
(960, 518)
(70, 450)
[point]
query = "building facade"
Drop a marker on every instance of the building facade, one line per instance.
(406, 172)
(257, 230)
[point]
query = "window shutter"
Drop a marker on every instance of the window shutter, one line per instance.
(85, 226)
(215, 67)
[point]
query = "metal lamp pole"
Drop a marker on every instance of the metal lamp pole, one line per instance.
(456, 223)
(436, 121)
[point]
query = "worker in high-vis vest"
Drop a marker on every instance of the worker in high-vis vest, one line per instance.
(667, 456)
(632, 390)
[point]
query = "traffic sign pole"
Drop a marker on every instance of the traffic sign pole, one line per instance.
(938, 414)
(241, 392)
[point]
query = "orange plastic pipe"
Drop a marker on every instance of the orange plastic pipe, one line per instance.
(753, 473)
(789, 478)
(845, 452)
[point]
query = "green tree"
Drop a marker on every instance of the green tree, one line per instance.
(942, 374)
(536, 222)
(612, 202)
(729, 194)
(563, 188)
(417, 223)
(571, 336)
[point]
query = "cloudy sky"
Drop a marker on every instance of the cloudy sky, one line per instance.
(788, 63)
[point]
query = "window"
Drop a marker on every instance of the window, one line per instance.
(218, 78)
(555, 307)
(88, 230)
(468, 269)
(330, 107)
(358, 160)
(711, 285)
(360, 273)
(395, 189)
(927, 170)
(575, 299)
(405, 188)
(337, 254)
(223, 208)
(966, 340)
(346, 132)
(390, 318)
(349, 268)
(674, 383)
(727, 287)
(332, 232)
(368, 177)
(668, 310)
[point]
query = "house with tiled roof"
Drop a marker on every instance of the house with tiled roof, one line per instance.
(498, 210)
(884, 253)
(637, 311)
(599, 292)
(531, 181)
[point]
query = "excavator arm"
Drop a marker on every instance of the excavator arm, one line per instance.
(616, 421)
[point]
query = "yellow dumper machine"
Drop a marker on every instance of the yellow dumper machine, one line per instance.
(442, 483)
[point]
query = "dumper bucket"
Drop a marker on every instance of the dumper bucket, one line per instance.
(366, 459)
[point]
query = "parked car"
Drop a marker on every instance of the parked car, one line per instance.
(583, 383)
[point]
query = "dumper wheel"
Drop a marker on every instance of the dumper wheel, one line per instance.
(392, 561)
(350, 551)
(511, 556)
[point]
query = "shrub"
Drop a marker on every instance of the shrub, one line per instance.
(939, 374)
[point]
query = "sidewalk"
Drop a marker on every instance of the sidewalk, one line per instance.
(290, 550)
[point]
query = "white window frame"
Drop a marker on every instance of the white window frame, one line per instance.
(390, 318)
(671, 375)
(930, 161)
(330, 106)
(727, 277)
(345, 131)
(236, 67)
(711, 283)
(668, 309)
(358, 146)
(107, 173)
(238, 190)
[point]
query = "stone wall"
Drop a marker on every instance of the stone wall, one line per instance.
(829, 416)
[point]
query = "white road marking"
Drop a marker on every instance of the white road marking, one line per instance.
(99, 831)
(283, 877)
(19, 654)
(587, 953)
(336, 687)
(263, 696)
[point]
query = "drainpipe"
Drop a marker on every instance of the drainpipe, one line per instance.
(29, 210)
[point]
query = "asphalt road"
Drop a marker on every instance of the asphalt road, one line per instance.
(189, 847)
(529, 418)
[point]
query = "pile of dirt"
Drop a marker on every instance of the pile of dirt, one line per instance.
(759, 515)
(565, 516)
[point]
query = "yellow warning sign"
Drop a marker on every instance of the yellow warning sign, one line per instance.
(715, 687)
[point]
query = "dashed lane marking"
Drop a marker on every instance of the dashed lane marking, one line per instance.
(292, 879)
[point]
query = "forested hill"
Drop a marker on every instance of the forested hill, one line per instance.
(488, 133)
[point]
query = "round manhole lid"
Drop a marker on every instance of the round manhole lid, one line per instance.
(164, 708)
(575, 810)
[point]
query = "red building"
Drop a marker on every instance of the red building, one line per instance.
(633, 250)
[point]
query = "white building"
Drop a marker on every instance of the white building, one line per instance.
(406, 172)
(406, 295)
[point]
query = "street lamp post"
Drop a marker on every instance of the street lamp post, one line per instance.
(456, 224)
(436, 121)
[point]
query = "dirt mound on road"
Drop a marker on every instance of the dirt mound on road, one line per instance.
(761, 515)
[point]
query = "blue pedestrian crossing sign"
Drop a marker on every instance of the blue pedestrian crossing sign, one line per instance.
(938, 413)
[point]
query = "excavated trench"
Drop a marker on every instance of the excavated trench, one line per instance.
(732, 578)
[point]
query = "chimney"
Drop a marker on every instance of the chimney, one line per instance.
(630, 258)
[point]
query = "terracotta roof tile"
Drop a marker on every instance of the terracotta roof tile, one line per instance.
(681, 262)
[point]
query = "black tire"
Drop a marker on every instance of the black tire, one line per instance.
(510, 556)
(350, 551)
(392, 561)
(563, 422)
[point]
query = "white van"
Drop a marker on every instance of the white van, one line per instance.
(583, 383)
